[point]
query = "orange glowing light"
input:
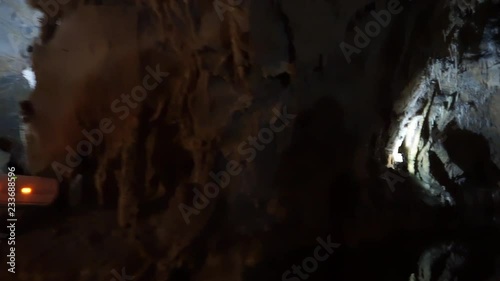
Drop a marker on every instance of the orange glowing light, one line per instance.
(26, 190)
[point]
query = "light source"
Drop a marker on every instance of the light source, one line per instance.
(26, 190)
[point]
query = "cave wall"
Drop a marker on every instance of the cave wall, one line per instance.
(227, 79)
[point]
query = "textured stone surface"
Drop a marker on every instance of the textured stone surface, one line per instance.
(320, 175)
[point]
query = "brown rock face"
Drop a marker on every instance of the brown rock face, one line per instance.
(249, 139)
